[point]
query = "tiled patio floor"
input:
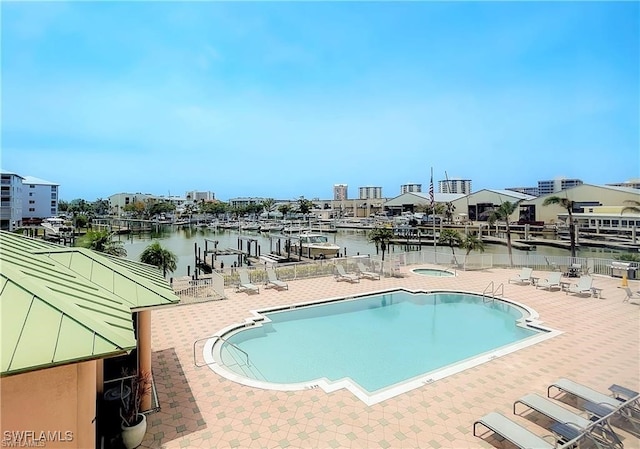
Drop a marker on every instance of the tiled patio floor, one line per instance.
(600, 345)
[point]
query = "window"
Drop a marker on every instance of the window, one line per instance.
(30, 193)
(31, 202)
(31, 186)
(32, 209)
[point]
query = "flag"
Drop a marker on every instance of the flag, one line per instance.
(431, 198)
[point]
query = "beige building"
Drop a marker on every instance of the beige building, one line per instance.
(71, 319)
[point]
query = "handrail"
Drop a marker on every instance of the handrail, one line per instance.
(485, 290)
(494, 290)
(219, 338)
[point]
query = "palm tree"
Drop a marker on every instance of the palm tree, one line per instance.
(103, 242)
(451, 238)
(160, 257)
(381, 236)
(503, 213)
(567, 204)
(471, 242)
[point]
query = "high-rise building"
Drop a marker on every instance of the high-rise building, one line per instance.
(39, 198)
(455, 185)
(340, 192)
(557, 185)
(10, 201)
(406, 188)
(370, 193)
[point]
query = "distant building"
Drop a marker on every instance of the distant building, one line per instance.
(632, 184)
(197, 196)
(340, 192)
(10, 201)
(370, 193)
(118, 201)
(557, 185)
(410, 188)
(244, 202)
(462, 186)
(533, 191)
(39, 198)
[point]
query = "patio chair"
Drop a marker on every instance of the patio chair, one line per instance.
(367, 274)
(623, 407)
(631, 298)
(567, 418)
(524, 277)
(273, 280)
(584, 285)
(513, 432)
(344, 276)
(245, 284)
(552, 280)
(552, 411)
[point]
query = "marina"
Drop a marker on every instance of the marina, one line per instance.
(233, 245)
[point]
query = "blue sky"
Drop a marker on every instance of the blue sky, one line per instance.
(285, 99)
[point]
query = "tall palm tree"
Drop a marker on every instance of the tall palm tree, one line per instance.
(567, 204)
(160, 257)
(503, 212)
(381, 236)
(451, 238)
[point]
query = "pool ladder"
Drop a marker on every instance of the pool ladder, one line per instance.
(493, 290)
(219, 338)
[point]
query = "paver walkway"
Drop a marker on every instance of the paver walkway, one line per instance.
(600, 345)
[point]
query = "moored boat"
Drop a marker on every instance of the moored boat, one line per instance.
(315, 246)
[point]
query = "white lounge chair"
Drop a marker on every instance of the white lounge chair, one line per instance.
(625, 405)
(583, 285)
(367, 274)
(512, 431)
(552, 280)
(524, 277)
(552, 411)
(344, 276)
(631, 298)
(274, 281)
(245, 284)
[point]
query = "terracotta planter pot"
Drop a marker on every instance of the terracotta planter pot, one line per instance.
(132, 436)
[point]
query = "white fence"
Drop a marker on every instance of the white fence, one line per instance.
(212, 286)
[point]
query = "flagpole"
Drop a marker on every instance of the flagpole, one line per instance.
(433, 215)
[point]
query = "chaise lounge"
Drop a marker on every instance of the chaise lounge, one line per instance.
(344, 276)
(513, 432)
(552, 280)
(245, 284)
(584, 285)
(367, 274)
(273, 280)
(574, 423)
(524, 277)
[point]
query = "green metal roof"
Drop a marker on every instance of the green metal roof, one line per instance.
(60, 304)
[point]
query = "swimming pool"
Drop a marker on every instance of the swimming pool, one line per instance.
(432, 272)
(377, 346)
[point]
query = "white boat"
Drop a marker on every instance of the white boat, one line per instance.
(316, 246)
(250, 226)
(271, 227)
(55, 226)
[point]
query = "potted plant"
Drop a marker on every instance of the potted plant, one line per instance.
(134, 423)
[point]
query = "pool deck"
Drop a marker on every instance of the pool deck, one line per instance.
(599, 346)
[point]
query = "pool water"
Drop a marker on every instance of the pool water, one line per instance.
(432, 272)
(377, 341)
